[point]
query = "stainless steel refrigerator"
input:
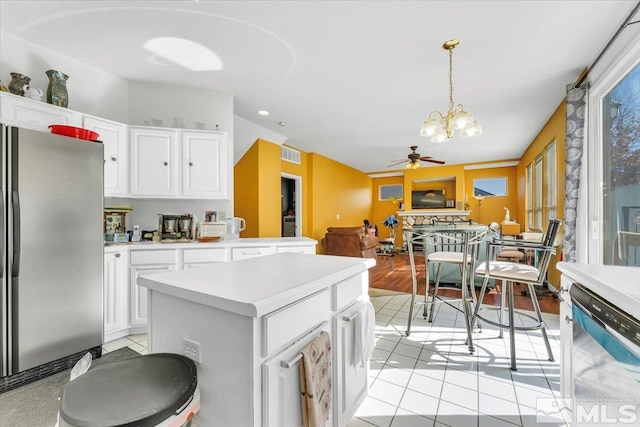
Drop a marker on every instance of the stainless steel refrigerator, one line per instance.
(51, 246)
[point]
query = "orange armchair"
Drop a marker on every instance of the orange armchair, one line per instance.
(349, 241)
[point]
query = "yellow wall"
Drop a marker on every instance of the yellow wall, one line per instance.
(245, 190)
(329, 189)
(257, 190)
(492, 208)
(337, 190)
(554, 129)
(381, 209)
(435, 172)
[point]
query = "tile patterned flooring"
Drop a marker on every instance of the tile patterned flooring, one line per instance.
(430, 379)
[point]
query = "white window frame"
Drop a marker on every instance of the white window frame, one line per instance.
(590, 249)
(399, 194)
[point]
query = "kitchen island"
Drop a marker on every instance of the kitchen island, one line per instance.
(245, 323)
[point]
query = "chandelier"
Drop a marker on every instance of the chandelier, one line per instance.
(440, 127)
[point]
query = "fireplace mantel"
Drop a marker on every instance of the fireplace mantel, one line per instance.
(435, 212)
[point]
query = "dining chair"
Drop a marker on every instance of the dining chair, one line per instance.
(442, 248)
(509, 273)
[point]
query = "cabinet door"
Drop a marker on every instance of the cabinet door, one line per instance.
(250, 252)
(281, 406)
(205, 164)
(36, 115)
(307, 249)
(153, 167)
(350, 377)
(115, 294)
(114, 138)
(139, 293)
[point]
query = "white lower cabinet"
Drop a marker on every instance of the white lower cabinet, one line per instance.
(252, 362)
(116, 298)
(125, 303)
(350, 375)
(281, 384)
(250, 252)
(138, 313)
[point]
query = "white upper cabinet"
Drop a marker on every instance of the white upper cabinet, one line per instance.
(205, 165)
(184, 164)
(114, 138)
(37, 115)
(153, 162)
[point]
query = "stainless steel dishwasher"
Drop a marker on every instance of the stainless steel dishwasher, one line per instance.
(606, 361)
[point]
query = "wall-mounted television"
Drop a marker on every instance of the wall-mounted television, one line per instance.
(427, 199)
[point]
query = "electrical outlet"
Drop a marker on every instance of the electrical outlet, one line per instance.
(191, 349)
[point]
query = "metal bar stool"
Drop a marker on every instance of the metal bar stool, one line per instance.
(509, 272)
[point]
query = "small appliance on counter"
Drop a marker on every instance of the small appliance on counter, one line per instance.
(175, 228)
(114, 224)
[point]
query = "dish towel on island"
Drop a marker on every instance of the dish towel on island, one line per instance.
(365, 330)
(315, 381)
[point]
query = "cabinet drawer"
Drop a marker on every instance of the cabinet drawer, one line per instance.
(161, 256)
(349, 290)
(287, 324)
(205, 255)
(244, 253)
(296, 249)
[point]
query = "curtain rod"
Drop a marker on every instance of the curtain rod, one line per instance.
(615, 36)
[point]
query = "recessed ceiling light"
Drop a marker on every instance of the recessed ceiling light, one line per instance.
(263, 113)
(186, 53)
(282, 123)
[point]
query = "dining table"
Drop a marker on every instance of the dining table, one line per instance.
(465, 232)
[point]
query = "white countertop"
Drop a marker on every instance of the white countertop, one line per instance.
(257, 286)
(617, 284)
(242, 242)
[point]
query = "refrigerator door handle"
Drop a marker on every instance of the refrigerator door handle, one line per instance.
(15, 264)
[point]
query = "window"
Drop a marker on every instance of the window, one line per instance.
(541, 193)
(386, 192)
(490, 187)
(621, 172)
(550, 175)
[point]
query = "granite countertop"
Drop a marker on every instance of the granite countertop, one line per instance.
(619, 285)
(257, 286)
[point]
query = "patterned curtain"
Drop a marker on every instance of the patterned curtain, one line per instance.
(576, 110)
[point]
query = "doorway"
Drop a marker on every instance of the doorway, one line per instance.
(291, 205)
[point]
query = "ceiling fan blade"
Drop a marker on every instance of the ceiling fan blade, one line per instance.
(396, 163)
(425, 159)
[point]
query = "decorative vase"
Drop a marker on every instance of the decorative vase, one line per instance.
(57, 89)
(18, 83)
(392, 234)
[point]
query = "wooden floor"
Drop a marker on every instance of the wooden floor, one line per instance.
(393, 273)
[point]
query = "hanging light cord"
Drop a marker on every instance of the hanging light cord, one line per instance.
(451, 79)
(626, 23)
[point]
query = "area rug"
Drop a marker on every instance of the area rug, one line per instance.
(36, 404)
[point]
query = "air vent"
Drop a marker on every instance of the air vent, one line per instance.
(290, 155)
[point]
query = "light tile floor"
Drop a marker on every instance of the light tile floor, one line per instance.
(430, 379)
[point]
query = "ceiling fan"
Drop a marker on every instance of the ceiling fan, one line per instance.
(415, 159)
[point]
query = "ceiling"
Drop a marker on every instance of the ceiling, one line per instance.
(353, 80)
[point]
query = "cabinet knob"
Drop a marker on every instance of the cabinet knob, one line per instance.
(166, 163)
(117, 255)
(190, 163)
(113, 159)
(568, 319)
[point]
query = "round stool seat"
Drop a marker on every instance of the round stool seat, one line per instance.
(141, 391)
